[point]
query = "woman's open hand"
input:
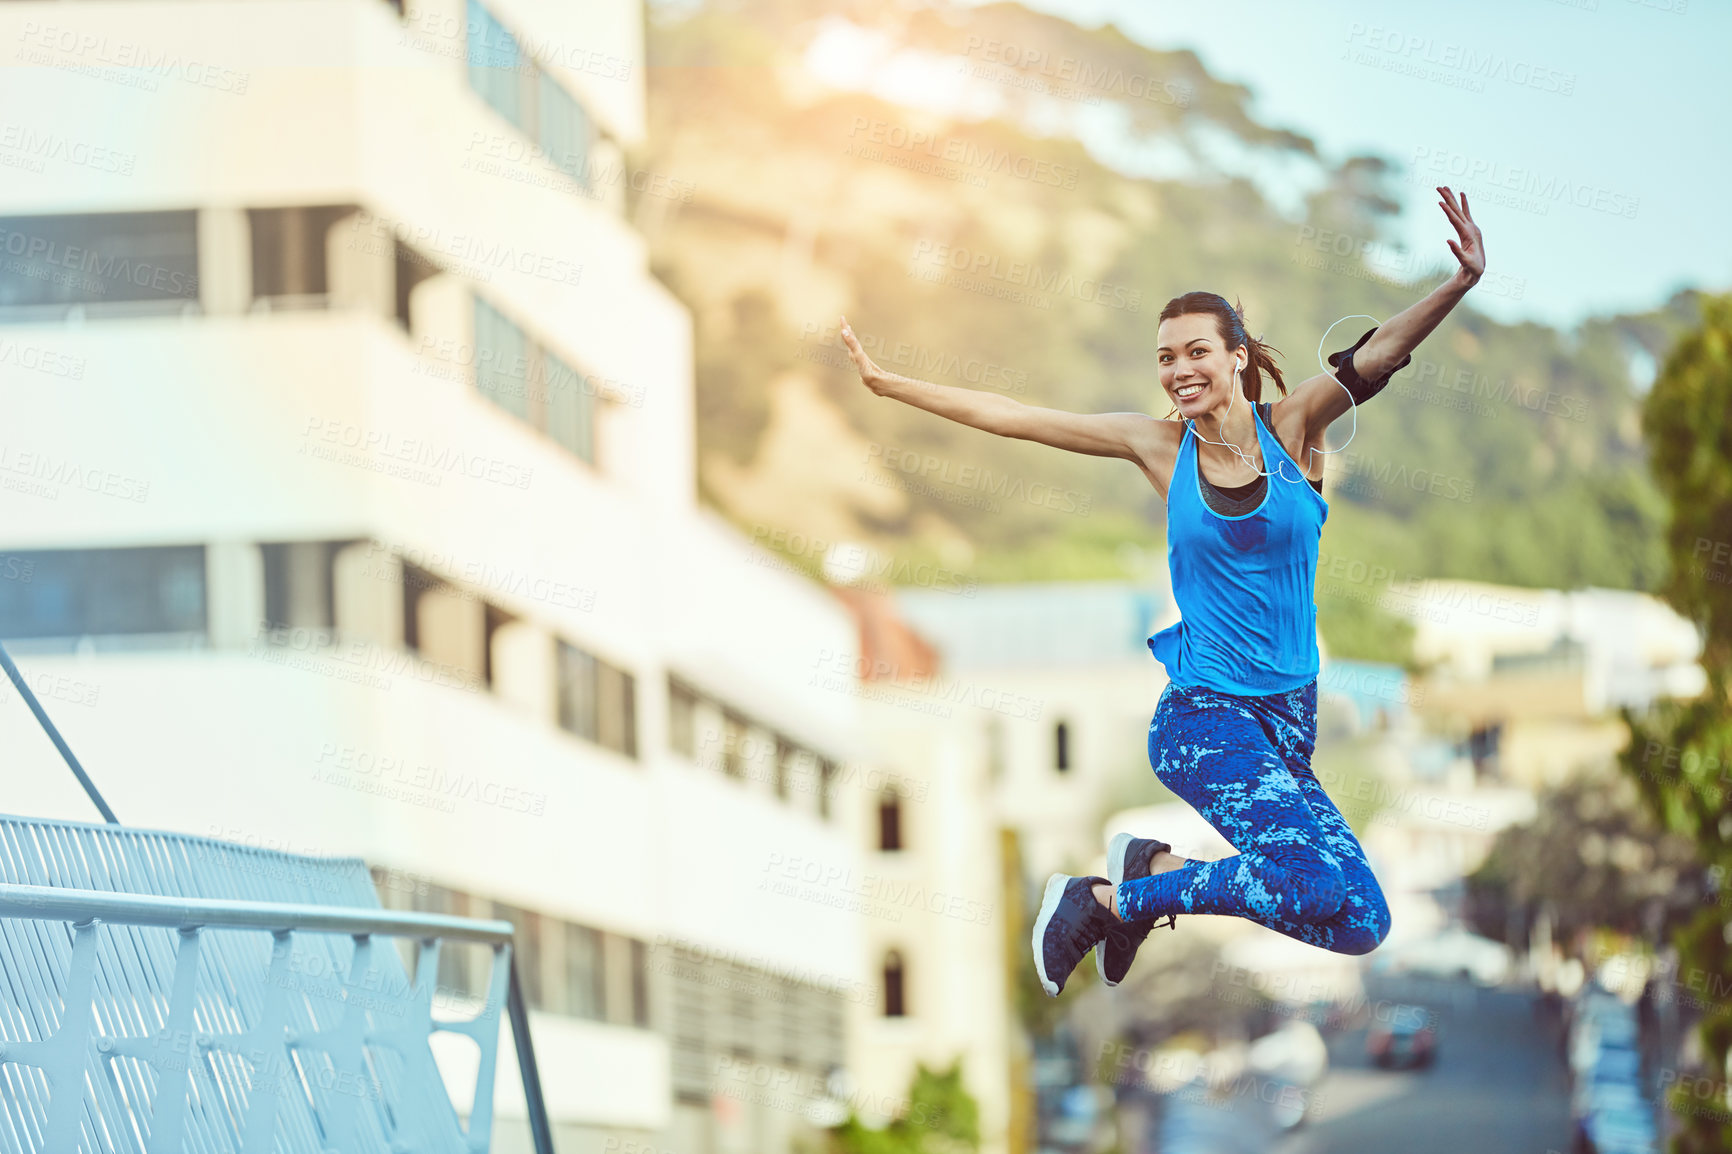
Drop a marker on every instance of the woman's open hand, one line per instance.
(1471, 251)
(873, 376)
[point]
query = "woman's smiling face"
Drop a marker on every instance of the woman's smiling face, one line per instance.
(1195, 364)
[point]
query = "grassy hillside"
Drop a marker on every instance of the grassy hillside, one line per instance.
(984, 252)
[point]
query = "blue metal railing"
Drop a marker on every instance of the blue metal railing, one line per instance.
(161, 992)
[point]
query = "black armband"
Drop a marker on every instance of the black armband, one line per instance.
(1360, 389)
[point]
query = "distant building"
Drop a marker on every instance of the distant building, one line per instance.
(1530, 679)
(1064, 673)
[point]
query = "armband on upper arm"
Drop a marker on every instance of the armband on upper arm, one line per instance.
(1360, 389)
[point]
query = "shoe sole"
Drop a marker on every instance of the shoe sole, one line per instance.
(1048, 905)
(1116, 850)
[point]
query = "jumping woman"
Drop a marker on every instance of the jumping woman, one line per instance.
(1235, 727)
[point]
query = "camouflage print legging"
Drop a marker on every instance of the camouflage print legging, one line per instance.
(1245, 764)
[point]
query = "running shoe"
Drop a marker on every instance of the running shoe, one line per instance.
(1127, 859)
(1070, 921)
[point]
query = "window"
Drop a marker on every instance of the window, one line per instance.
(300, 584)
(890, 820)
(826, 786)
(640, 1010)
(895, 994)
(75, 593)
(1061, 746)
(995, 748)
(682, 718)
(733, 744)
(570, 407)
(585, 973)
(597, 701)
(289, 265)
(532, 384)
(411, 269)
(513, 85)
(496, 63)
(527, 947)
(616, 709)
(502, 356)
(787, 753)
(141, 259)
(562, 130)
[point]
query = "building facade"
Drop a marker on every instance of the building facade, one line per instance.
(349, 507)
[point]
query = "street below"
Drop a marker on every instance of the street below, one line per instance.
(1497, 1085)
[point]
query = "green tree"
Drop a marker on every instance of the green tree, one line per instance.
(1595, 855)
(1678, 755)
(942, 1118)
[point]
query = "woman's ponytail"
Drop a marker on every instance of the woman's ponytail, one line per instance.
(1260, 359)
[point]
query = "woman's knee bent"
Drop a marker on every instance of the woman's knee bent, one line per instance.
(1364, 926)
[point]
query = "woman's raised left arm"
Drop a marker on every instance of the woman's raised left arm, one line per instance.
(1401, 334)
(1319, 400)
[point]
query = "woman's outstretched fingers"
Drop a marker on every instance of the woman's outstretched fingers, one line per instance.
(1470, 252)
(870, 373)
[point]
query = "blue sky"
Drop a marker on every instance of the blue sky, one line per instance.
(1639, 139)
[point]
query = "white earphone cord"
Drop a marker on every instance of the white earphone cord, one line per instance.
(1322, 364)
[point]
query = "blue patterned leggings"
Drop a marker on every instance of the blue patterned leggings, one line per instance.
(1245, 764)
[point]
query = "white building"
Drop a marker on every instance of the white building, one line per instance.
(939, 938)
(348, 506)
(1067, 669)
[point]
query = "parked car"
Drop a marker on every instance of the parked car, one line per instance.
(1403, 1038)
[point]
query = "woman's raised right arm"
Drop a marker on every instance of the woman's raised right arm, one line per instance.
(1132, 436)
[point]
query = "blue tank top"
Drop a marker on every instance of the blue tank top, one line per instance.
(1245, 586)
